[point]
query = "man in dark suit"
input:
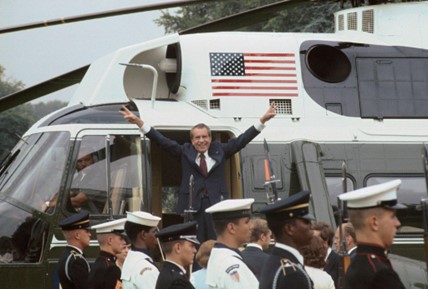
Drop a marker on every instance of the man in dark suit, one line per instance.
(73, 269)
(348, 237)
(254, 254)
(205, 160)
(179, 245)
(372, 212)
(291, 225)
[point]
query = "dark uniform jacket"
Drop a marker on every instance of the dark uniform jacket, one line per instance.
(172, 277)
(104, 273)
(214, 183)
(254, 258)
(332, 267)
(371, 269)
(73, 269)
(286, 269)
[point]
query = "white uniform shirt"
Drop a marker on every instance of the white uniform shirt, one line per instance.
(227, 270)
(138, 272)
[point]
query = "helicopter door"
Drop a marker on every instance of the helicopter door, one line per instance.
(107, 178)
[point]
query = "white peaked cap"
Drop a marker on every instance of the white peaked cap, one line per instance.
(231, 209)
(115, 226)
(143, 218)
(381, 195)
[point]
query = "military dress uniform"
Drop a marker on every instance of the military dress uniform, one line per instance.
(173, 275)
(73, 269)
(104, 273)
(139, 270)
(371, 262)
(226, 268)
(371, 268)
(284, 268)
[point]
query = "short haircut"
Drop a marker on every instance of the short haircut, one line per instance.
(204, 253)
(358, 217)
(168, 246)
(314, 253)
(132, 230)
(221, 225)
(326, 232)
(260, 228)
(200, 126)
(278, 228)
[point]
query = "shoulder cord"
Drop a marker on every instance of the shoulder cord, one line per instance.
(74, 254)
(284, 262)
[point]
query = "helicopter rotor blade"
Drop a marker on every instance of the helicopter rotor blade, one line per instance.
(97, 15)
(43, 88)
(245, 18)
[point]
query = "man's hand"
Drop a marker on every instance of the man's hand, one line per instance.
(130, 117)
(270, 113)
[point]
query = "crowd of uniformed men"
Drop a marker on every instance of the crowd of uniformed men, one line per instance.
(298, 258)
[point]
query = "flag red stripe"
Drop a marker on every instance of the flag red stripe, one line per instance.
(269, 61)
(271, 74)
(269, 68)
(253, 94)
(253, 81)
(256, 87)
(270, 54)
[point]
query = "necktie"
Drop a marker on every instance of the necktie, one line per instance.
(203, 164)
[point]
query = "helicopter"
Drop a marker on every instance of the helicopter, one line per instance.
(353, 97)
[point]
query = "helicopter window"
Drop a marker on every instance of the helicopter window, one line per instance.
(412, 190)
(335, 188)
(34, 177)
(328, 63)
(89, 189)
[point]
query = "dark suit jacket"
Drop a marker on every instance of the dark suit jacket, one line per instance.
(254, 258)
(332, 267)
(371, 269)
(214, 183)
(171, 277)
(288, 278)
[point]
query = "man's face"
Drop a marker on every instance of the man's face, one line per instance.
(201, 140)
(336, 240)
(122, 255)
(117, 243)
(84, 236)
(84, 161)
(266, 240)
(187, 253)
(150, 238)
(243, 230)
(388, 224)
(303, 232)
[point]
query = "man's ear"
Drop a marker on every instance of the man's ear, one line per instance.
(289, 229)
(231, 227)
(373, 222)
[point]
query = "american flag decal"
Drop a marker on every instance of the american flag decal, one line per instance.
(253, 74)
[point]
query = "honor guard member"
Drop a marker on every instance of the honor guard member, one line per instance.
(179, 246)
(372, 213)
(139, 270)
(73, 269)
(226, 268)
(291, 225)
(104, 273)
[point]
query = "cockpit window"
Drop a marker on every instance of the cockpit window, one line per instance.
(118, 156)
(34, 176)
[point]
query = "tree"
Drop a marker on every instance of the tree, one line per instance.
(16, 121)
(311, 16)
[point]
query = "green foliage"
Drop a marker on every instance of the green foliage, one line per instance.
(16, 121)
(307, 17)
